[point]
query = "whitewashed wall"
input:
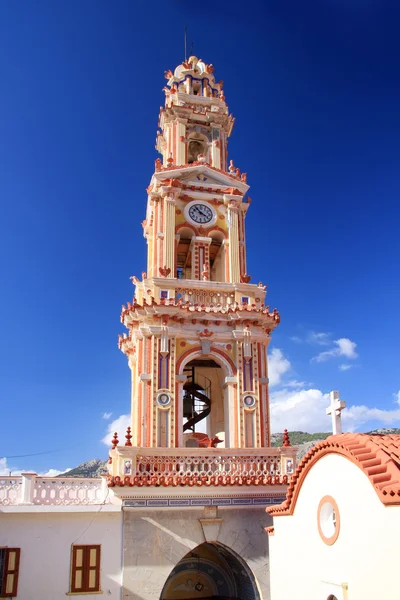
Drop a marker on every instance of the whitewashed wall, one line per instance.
(366, 554)
(45, 540)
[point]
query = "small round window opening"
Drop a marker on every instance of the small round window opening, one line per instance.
(328, 520)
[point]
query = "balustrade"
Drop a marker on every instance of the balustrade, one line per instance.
(208, 467)
(52, 492)
(10, 490)
(205, 297)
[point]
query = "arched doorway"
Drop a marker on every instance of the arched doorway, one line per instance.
(210, 572)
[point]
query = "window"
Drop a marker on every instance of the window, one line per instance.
(85, 569)
(9, 566)
(328, 517)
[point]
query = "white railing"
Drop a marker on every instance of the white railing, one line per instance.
(46, 491)
(67, 491)
(205, 297)
(10, 490)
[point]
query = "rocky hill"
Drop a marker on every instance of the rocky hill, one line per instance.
(304, 441)
(91, 468)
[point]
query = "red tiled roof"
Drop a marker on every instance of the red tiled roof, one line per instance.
(378, 456)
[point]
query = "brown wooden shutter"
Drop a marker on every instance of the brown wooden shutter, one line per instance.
(77, 569)
(85, 569)
(11, 571)
(92, 568)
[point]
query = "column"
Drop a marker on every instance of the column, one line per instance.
(233, 224)
(169, 234)
(180, 158)
(231, 412)
(216, 154)
(200, 248)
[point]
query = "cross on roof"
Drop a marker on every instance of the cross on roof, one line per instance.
(337, 405)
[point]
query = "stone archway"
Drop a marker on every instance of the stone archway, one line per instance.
(223, 389)
(211, 571)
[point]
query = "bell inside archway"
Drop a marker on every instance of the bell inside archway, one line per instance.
(187, 405)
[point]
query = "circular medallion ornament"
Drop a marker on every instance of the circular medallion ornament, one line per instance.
(163, 399)
(249, 401)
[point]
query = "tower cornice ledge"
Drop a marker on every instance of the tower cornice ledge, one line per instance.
(226, 178)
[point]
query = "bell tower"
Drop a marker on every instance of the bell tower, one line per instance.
(198, 329)
(196, 470)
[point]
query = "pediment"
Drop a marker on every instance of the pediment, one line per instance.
(203, 175)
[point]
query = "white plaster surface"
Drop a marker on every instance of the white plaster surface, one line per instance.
(156, 540)
(45, 540)
(366, 555)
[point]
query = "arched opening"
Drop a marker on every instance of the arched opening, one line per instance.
(197, 148)
(211, 572)
(184, 254)
(208, 367)
(217, 256)
(203, 402)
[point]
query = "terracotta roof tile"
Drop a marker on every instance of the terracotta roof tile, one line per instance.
(378, 456)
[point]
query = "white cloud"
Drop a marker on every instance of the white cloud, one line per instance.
(6, 469)
(345, 367)
(293, 383)
(299, 410)
(305, 410)
(54, 472)
(119, 425)
(343, 347)
(397, 397)
(319, 337)
(278, 365)
(106, 416)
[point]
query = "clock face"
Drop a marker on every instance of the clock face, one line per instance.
(201, 213)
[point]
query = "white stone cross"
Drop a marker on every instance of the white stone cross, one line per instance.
(337, 405)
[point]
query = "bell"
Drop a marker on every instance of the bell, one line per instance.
(187, 405)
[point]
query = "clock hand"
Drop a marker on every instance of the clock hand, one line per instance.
(201, 212)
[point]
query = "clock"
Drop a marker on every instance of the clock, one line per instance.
(201, 213)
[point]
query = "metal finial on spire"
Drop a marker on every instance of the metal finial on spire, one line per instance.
(185, 42)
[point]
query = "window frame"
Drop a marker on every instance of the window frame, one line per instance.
(10, 572)
(329, 540)
(85, 569)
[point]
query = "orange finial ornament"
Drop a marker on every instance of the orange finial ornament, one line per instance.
(286, 439)
(115, 441)
(128, 437)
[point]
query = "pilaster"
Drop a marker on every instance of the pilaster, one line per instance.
(233, 224)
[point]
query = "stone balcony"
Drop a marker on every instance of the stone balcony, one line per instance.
(132, 467)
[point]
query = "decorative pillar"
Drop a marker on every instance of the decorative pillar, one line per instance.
(180, 380)
(169, 235)
(216, 154)
(233, 224)
(200, 247)
(231, 413)
(180, 158)
(28, 486)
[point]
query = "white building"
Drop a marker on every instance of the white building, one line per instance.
(336, 536)
(58, 536)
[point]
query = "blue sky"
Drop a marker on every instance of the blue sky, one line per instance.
(315, 90)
